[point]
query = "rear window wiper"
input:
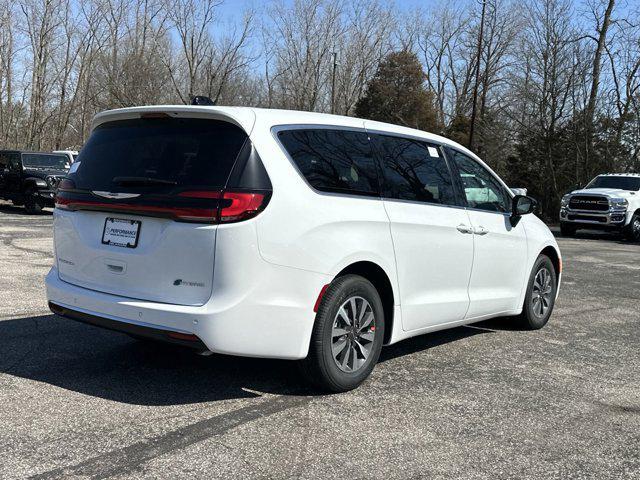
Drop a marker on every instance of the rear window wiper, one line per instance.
(135, 181)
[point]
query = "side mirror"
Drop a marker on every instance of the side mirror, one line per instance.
(521, 205)
(519, 191)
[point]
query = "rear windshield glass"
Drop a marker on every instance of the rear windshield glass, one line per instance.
(40, 160)
(623, 183)
(158, 154)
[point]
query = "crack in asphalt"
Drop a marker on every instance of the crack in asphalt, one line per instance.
(8, 241)
(130, 458)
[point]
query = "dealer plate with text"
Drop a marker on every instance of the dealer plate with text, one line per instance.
(121, 232)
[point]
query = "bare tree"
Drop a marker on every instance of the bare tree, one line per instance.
(550, 77)
(438, 37)
(41, 20)
(303, 39)
(8, 109)
(192, 20)
(366, 41)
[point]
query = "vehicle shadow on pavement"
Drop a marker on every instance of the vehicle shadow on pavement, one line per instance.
(113, 366)
(594, 235)
(427, 341)
(13, 210)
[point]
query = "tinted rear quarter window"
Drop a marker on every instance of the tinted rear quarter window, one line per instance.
(333, 160)
(414, 170)
(190, 152)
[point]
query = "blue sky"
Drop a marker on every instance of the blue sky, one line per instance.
(234, 8)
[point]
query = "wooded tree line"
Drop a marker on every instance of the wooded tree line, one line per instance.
(552, 86)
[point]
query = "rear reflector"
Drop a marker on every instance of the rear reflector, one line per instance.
(183, 336)
(320, 296)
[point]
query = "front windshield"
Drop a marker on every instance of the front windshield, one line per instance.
(44, 160)
(618, 182)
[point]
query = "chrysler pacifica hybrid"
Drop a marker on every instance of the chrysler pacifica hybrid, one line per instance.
(292, 235)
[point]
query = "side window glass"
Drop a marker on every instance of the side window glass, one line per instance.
(481, 189)
(414, 170)
(4, 161)
(333, 160)
(14, 163)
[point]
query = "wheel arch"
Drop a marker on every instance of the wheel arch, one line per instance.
(381, 281)
(555, 258)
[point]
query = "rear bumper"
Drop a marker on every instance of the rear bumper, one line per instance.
(130, 328)
(271, 318)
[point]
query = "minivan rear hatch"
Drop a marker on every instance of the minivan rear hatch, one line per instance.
(137, 215)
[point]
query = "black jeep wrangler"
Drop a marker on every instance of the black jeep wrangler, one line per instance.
(31, 178)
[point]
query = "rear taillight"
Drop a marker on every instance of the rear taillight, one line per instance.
(65, 185)
(233, 206)
(201, 206)
(242, 206)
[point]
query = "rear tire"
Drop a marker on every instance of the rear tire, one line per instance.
(567, 230)
(346, 341)
(31, 203)
(541, 295)
(632, 231)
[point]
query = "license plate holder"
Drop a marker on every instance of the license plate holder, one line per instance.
(121, 232)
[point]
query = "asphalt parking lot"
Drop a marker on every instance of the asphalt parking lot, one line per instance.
(485, 401)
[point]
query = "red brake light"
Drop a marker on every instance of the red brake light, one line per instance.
(243, 205)
(235, 206)
(155, 115)
(221, 207)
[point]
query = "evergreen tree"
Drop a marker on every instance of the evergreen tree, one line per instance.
(396, 94)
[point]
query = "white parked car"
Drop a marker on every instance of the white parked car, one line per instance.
(608, 202)
(291, 235)
(72, 155)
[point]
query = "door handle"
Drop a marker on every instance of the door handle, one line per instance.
(462, 228)
(480, 231)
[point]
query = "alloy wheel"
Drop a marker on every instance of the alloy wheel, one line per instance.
(542, 291)
(353, 334)
(635, 229)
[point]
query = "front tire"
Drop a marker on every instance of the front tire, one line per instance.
(541, 294)
(632, 231)
(31, 203)
(347, 336)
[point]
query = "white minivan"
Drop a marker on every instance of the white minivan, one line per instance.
(293, 235)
